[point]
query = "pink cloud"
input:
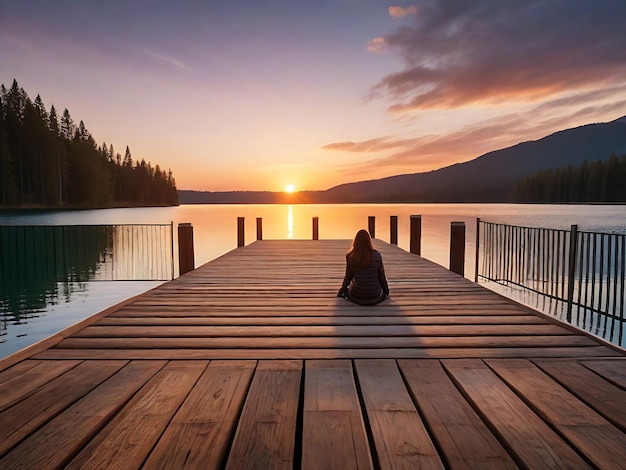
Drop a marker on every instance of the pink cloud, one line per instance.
(462, 53)
(400, 12)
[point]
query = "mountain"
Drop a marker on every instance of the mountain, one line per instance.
(492, 176)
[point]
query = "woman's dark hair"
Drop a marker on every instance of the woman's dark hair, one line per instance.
(361, 254)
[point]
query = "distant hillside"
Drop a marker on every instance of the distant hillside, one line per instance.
(493, 176)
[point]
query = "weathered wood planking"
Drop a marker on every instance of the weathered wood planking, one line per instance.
(251, 361)
(278, 298)
(332, 418)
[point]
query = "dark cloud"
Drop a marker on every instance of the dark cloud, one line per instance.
(489, 51)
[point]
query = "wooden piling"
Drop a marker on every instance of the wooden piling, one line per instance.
(371, 225)
(259, 228)
(241, 238)
(393, 229)
(186, 261)
(415, 244)
(316, 228)
(457, 247)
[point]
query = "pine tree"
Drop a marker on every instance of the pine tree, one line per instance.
(68, 128)
(44, 160)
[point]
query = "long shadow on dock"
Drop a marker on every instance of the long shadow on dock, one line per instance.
(251, 361)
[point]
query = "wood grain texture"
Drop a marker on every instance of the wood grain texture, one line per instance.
(20, 381)
(593, 389)
(251, 360)
(327, 353)
(591, 433)
(50, 399)
(464, 439)
(524, 433)
(199, 434)
(129, 437)
(333, 427)
(265, 436)
(56, 443)
(399, 435)
(614, 371)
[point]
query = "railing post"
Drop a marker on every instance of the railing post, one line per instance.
(571, 272)
(477, 248)
(241, 239)
(393, 229)
(316, 228)
(259, 228)
(371, 226)
(416, 235)
(457, 247)
(186, 260)
(172, 245)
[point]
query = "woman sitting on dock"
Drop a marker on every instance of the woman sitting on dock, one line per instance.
(365, 282)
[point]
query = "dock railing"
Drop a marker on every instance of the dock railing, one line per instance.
(583, 270)
(128, 252)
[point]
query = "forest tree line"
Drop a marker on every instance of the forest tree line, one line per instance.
(599, 181)
(47, 160)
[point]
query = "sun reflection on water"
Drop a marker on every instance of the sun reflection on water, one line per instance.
(290, 222)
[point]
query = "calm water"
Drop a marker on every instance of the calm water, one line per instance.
(32, 312)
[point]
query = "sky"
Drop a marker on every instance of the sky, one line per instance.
(260, 94)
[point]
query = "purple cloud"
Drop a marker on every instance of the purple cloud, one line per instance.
(477, 51)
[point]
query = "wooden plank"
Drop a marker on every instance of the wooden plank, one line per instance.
(18, 370)
(328, 353)
(464, 439)
(525, 435)
(26, 416)
(201, 430)
(318, 331)
(298, 342)
(603, 396)
(400, 438)
(280, 319)
(333, 433)
(56, 443)
(26, 379)
(601, 442)
(265, 436)
(614, 371)
(300, 309)
(492, 319)
(129, 437)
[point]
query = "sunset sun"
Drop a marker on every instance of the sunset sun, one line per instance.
(290, 188)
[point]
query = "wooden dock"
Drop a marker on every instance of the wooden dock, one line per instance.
(251, 361)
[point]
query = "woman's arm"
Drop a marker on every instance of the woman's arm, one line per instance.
(382, 278)
(346, 280)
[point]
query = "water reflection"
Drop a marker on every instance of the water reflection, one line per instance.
(290, 222)
(40, 265)
(44, 266)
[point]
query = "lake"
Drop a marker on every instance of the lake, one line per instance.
(27, 317)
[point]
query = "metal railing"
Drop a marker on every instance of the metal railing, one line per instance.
(138, 252)
(583, 271)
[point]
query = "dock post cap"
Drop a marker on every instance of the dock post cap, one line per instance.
(457, 223)
(416, 217)
(184, 224)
